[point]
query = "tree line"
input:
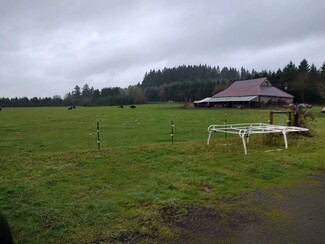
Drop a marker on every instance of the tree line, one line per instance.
(188, 83)
(84, 96)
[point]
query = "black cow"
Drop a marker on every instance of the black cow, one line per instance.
(132, 106)
(121, 106)
(0, 109)
(72, 107)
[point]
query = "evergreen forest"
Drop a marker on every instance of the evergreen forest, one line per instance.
(188, 83)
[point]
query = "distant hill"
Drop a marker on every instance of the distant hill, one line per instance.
(188, 83)
(195, 73)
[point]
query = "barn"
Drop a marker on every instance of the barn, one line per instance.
(247, 93)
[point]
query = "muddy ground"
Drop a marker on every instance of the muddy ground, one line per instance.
(294, 214)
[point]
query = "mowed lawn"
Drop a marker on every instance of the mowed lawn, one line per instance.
(55, 186)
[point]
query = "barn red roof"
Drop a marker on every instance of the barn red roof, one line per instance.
(254, 87)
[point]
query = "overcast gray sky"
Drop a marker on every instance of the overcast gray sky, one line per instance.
(49, 46)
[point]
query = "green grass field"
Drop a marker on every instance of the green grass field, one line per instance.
(55, 186)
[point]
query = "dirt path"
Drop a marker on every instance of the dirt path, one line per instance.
(294, 214)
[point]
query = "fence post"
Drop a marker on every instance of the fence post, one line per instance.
(225, 123)
(98, 141)
(172, 130)
(271, 117)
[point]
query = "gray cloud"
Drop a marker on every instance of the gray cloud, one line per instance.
(48, 47)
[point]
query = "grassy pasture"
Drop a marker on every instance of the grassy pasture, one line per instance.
(56, 187)
(51, 130)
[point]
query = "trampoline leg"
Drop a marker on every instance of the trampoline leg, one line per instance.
(285, 139)
(208, 142)
(244, 144)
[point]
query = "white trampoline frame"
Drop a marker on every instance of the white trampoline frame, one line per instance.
(246, 129)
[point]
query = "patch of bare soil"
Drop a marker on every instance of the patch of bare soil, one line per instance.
(208, 225)
(294, 214)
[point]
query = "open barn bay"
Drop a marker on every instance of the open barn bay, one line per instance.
(55, 186)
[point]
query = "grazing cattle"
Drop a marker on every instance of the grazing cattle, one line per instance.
(121, 106)
(132, 106)
(0, 109)
(72, 107)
